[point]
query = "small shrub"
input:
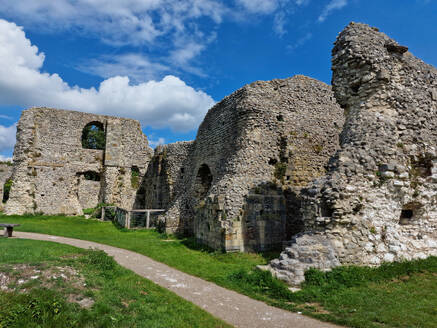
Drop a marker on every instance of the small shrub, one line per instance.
(317, 149)
(6, 190)
(96, 212)
(88, 211)
(160, 226)
(6, 162)
(280, 169)
(135, 177)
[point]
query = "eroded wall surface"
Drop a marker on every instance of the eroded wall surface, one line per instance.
(50, 163)
(378, 202)
(228, 187)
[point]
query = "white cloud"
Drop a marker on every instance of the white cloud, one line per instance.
(116, 22)
(5, 159)
(180, 30)
(169, 102)
(168, 29)
(185, 53)
(300, 42)
(330, 7)
(279, 23)
(259, 6)
(156, 25)
(137, 66)
(7, 137)
(302, 2)
(156, 142)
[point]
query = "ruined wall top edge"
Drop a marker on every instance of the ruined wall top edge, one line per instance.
(47, 137)
(85, 114)
(271, 85)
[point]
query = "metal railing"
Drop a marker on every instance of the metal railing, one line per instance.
(140, 218)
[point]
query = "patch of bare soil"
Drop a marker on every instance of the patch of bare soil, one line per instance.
(22, 278)
(314, 307)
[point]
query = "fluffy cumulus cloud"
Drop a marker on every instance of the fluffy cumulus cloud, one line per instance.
(168, 102)
(137, 66)
(144, 22)
(330, 7)
(7, 137)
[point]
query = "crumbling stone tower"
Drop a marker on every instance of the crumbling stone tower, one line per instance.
(378, 201)
(233, 186)
(61, 166)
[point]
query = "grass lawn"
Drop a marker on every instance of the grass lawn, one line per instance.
(394, 295)
(45, 284)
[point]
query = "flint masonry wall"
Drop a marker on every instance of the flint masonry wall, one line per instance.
(165, 176)
(50, 163)
(378, 202)
(263, 139)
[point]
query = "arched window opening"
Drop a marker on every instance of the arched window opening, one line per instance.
(6, 190)
(91, 176)
(93, 136)
(203, 181)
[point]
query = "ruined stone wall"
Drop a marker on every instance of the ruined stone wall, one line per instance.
(50, 163)
(5, 174)
(126, 148)
(378, 202)
(263, 139)
(165, 176)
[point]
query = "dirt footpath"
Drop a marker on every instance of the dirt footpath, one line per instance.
(236, 309)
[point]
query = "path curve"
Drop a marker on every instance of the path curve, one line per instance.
(236, 309)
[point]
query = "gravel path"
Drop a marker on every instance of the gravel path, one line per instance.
(236, 309)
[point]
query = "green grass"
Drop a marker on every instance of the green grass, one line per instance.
(122, 298)
(394, 295)
(183, 254)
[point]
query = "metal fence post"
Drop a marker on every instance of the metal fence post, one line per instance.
(147, 219)
(128, 217)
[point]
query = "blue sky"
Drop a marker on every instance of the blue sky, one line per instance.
(166, 62)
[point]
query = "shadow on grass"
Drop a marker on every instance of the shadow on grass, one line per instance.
(118, 226)
(192, 243)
